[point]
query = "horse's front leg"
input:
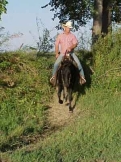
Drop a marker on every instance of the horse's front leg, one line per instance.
(59, 94)
(70, 99)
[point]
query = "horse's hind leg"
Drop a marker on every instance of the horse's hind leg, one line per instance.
(59, 95)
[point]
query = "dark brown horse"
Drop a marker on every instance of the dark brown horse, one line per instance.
(67, 77)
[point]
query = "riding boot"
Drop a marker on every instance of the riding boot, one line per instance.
(53, 80)
(82, 80)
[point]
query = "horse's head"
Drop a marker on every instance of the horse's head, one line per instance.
(66, 79)
(68, 73)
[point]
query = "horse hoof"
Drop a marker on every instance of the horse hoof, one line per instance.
(60, 101)
(67, 104)
(71, 110)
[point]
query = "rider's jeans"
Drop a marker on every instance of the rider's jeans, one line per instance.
(59, 59)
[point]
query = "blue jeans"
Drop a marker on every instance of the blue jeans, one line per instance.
(59, 59)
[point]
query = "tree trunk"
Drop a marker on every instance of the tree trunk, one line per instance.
(106, 16)
(97, 20)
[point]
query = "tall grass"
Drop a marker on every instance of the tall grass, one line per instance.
(107, 62)
(95, 135)
(25, 94)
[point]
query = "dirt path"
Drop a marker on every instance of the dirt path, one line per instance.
(59, 114)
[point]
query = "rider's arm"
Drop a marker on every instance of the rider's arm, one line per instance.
(56, 50)
(72, 47)
(57, 47)
(74, 44)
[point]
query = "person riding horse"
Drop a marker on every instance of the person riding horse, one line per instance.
(67, 42)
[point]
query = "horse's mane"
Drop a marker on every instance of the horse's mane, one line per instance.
(66, 63)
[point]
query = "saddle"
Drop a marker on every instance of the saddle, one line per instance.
(68, 58)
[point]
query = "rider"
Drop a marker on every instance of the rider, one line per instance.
(67, 42)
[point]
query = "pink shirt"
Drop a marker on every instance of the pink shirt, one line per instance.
(65, 41)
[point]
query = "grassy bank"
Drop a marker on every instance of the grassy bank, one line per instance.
(24, 98)
(94, 136)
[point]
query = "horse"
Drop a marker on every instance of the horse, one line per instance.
(66, 78)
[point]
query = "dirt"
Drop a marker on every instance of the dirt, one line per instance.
(59, 114)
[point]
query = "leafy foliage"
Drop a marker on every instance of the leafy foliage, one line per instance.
(80, 11)
(45, 43)
(76, 10)
(116, 11)
(107, 62)
(3, 9)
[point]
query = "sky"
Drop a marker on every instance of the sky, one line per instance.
(21, 18)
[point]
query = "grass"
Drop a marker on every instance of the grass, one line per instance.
(94, 135)
(25, 94)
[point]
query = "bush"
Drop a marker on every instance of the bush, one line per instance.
(107, 64)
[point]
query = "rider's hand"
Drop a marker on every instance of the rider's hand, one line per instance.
(56, 55)
(68, 49)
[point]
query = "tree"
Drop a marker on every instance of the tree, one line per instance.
(77, 10)
(97, 20)
(106, 15)
(103, 12)
(3, 9)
